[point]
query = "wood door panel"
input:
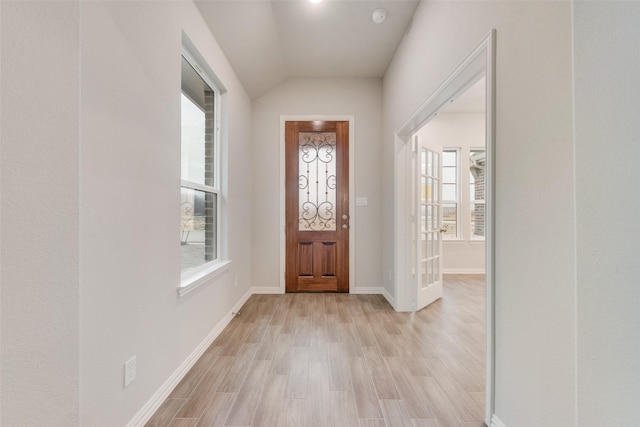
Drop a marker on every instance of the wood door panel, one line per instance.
(305, 258)
(317, 200)
(328, 259)
(310, 284)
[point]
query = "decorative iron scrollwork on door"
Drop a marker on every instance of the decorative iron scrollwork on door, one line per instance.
(317, 181)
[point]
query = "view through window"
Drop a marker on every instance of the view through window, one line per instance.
(200, 186)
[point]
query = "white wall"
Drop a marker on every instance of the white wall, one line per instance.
(607, 154)
(464, 131)
(39, 227)
(361, 98)
(129, 202)
(90, 207)
(535, 315)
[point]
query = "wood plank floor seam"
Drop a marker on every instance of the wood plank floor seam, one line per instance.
(340, 360)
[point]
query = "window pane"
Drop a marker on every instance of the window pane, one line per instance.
(449, 158)
(197, 228)
(477, 220)
(198, 128)
(449, 175)
(192, 141)
(449, 192)
(450, 220)
(476, 174)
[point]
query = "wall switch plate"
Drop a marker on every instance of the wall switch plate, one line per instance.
(129, 371)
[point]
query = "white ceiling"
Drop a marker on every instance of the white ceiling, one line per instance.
(270, 41)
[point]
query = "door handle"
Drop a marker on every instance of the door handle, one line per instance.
(345, 226)
(443, 228)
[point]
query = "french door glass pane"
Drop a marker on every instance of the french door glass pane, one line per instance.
(427, 278)
(425, 188)
(423, 218)
(436, 187)
(425, 245)
(436, 165)
(436, 216)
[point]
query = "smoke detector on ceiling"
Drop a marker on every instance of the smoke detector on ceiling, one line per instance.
(379, 16)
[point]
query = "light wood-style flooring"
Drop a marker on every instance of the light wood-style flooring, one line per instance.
(341, 360)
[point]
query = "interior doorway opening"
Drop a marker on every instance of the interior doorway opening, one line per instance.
(458, 135)
(479, 64)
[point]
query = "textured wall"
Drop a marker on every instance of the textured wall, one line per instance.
(607, 154)
(535, 292)
(90, 209)
(130, 197)
(39, 226)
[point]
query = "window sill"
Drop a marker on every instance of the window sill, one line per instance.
(452, 241)
(195, 280)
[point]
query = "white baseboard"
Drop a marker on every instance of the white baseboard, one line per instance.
(463, 271)
(391, 300)
(147, 411)
(266, 290)
(375, 290)
(367, 290)
(495, 422)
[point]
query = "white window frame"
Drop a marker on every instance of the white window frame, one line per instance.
(195, 277)
(459, 234)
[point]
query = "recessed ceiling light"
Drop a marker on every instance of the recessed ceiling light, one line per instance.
(315, 1)
(379, 16)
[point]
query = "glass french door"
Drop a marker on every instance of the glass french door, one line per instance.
(428, 222)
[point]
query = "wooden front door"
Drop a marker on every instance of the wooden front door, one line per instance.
(317, 208)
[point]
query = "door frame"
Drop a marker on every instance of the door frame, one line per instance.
(480, 62)
(352, 197)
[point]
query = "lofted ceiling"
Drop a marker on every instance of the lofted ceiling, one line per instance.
(270, 41)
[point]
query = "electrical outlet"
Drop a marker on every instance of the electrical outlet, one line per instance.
(129, 371)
